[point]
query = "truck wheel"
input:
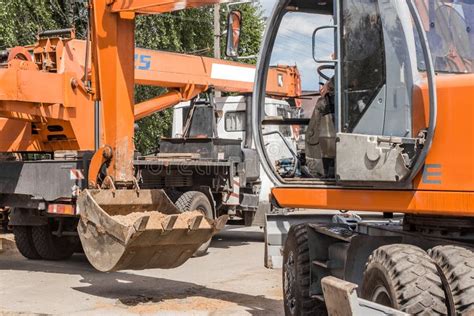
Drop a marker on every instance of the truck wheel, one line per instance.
(404, 277)
(51, 247)
(173, 195)
(457, 266)
(196, 201)
(24, 242)
(296, 275)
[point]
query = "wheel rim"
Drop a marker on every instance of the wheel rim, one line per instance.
(382, 296)
(288, 280)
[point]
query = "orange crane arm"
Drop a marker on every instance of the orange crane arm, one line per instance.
(172, 70)
(154, 6)
(189, 75)
(46, 107)
(22, 81)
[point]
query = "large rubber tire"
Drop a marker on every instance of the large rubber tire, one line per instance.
(196, 201)
(296, 275)
(174, 195)
(24, 242)
(51, 247)
(457, 266)
(404, 277)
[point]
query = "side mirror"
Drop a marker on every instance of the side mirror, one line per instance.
(328, 32)
(234, 25)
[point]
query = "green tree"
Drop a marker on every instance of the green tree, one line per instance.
(189, 31)
(21, 20)
(185, 31)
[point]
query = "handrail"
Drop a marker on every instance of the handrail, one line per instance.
(292, 152)
(432, 92)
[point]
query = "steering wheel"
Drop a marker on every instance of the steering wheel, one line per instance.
(325, 67)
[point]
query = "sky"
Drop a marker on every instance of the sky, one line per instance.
(267, 6)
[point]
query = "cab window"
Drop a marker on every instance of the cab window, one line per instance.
(363, 72)
(235, 121)
(449, 26)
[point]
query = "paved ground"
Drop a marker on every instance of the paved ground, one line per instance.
(230, 280)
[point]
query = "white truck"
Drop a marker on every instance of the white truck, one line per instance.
(231, 123)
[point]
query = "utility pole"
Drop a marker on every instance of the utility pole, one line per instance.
(217, 36)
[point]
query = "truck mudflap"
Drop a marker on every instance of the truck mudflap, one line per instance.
(139, 229)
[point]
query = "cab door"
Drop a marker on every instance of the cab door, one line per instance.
(383, 60)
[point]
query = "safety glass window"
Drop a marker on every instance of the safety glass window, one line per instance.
(363, 72)
(449, 26)
(235, 121)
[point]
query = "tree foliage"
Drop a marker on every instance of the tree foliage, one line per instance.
(184, 32)
(22, 20)
(189, 31)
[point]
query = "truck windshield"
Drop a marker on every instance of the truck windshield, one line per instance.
(449, 25)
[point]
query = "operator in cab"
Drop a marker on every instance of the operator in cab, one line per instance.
(320, 151)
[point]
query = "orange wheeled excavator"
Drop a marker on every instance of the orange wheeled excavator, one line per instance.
(392, 133)
(73, 130)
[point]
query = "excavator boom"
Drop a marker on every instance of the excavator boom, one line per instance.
(142, 245)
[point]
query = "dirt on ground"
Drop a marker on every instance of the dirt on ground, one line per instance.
(148, 305)
(229, 280)
(156, 219)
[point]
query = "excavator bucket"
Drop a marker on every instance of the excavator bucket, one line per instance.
(139, 229)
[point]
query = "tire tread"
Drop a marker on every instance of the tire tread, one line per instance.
(183, 201)
(309, 305)
(457, 265)
(414, 276)
(24, 242)
(47, 247)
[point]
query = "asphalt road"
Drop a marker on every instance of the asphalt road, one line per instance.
(230, 280)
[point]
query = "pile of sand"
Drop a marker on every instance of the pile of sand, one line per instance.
(157, 218)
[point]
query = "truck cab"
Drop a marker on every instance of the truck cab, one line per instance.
(232, 122)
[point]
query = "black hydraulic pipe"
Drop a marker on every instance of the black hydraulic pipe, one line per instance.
(58, 32)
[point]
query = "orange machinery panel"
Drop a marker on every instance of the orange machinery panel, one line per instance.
(446, 185)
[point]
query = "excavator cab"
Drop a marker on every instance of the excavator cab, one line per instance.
(400, 136)
(367, 73)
